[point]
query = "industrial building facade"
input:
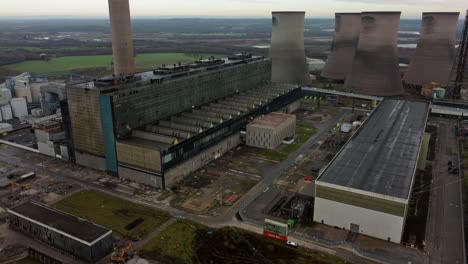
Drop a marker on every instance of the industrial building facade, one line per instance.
(157, 127)
(366, 188)
(269, 131)
(72, 235)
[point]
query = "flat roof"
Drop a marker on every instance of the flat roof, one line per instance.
(381, 157)
(147, 76)
(71, 226)
(272, 120)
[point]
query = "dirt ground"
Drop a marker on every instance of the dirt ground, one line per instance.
(222, 182)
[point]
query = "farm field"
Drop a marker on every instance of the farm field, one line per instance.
(126, 219)
(86, 63)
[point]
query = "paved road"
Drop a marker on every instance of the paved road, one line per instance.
(444, 236)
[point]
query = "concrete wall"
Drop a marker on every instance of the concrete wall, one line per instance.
(90, 161)
(85, 120)
(375, 69)
(178, 173)
(122, 43)
(89, 253)
(433, 59)
(141, 177)
(371, 223)
(139, 156)
(287, 49)
(345, 41)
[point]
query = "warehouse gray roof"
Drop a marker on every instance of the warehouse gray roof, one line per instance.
(63, 222)
(381, 157)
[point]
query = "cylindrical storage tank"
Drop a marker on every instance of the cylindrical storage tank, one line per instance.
(375, 68)
(19, 107)
(6, 112)
(122, 45)
(344, 45)
(434, 56)
(287, 49)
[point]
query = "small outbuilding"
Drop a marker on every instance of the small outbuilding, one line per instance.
(269, 131)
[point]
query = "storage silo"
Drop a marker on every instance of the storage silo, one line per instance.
(375, 68)
(435, 53)
(19, 107)
(6, 112)
(344, 45)
(122, 45)
(287, 49)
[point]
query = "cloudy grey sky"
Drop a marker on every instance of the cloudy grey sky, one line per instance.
(228, 8)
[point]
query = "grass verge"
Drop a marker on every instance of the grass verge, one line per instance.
(113, 213)
(185, 242)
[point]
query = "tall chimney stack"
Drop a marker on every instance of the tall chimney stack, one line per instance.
(287, 51)
(122, 45)
(344, 45)
(375, 69)
(435, 53)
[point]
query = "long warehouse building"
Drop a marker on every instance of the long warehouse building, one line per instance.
(366, 188)
(75, 236)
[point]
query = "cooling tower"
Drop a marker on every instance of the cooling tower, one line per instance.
(287, 49)
(435, 53)
(122, 46)
(345, 42)
(375, 68)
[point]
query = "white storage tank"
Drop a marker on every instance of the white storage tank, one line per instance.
(6, 112)
(19, 107)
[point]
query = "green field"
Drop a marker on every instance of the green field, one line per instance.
(185, 242)
(113, 213)
(177, 241)
(85, 63)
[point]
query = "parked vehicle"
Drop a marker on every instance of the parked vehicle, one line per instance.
(291, 243)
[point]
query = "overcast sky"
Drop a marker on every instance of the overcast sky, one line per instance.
(225, 8)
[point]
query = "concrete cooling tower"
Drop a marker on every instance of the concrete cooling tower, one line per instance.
(287, 49)
(122, 45)
(375, 68)
(345, 42)
(435, 53)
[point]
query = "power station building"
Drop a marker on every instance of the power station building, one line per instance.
(366, 188)
(75, 236)
(375, 69)
(344, 45)
(289, 64)
(156, 127)
(435, 53)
